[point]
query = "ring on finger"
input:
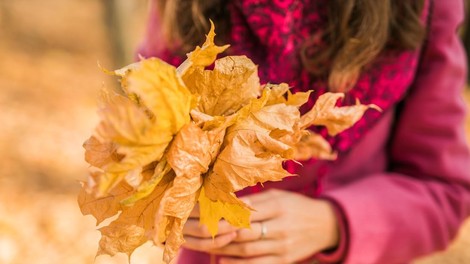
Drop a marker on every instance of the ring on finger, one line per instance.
(264, 231)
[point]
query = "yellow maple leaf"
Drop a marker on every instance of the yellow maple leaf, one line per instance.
(142, 131)
(139, 139)
(227, 206)
(162, 91)
(123, 73)
(202, 56)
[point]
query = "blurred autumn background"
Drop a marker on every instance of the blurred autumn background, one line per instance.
(49, 82)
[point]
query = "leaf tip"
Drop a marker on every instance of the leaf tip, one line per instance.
(103, 69)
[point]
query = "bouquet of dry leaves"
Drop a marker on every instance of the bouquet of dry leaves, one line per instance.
(180, 136)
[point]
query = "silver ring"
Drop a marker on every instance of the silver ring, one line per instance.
(264, 231)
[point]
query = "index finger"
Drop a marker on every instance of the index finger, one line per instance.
(195, 212)
(266, 205)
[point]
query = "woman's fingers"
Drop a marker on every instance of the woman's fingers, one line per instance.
(266, 205)
(271, 230)
(250, 249)
(207, 244)
(245, 234)
(269, 259)
(195, 212)
(195, 229)
(197, 236)
(262, 196)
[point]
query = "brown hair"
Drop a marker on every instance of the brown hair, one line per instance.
(357, 31)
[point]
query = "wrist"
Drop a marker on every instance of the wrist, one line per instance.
(337, 253)
(328, 220)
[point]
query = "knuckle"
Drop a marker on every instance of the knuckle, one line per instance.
(283, 247)
(219, 242)
(225, 227)
(241, 236)
(246, 249)
(209, 245)
(275, 194)
(202, 231)
(202, 244)
(284, 233)
(284, 259)
(199, 243)
(279, 205)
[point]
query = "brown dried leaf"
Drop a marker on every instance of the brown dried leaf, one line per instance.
(147, 187)
(187, 154)
(103, 207)
(246, 162)
(224, 90)
(189, 158)
(99, 154)
(278, 94)
(312, 145)
(135, 224)
(121, 237)
(250, 155)
(335, 119)
(190, 155)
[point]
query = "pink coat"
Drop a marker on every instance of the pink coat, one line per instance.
(401, 184)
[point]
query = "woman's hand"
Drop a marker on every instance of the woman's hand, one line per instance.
(198, 238)
(295, 227)
(286, 227)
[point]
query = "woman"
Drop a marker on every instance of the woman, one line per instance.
(400, 187)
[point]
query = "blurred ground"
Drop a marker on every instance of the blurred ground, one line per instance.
(48, 82)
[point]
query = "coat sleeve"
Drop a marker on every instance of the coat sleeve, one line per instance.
(418, 205)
